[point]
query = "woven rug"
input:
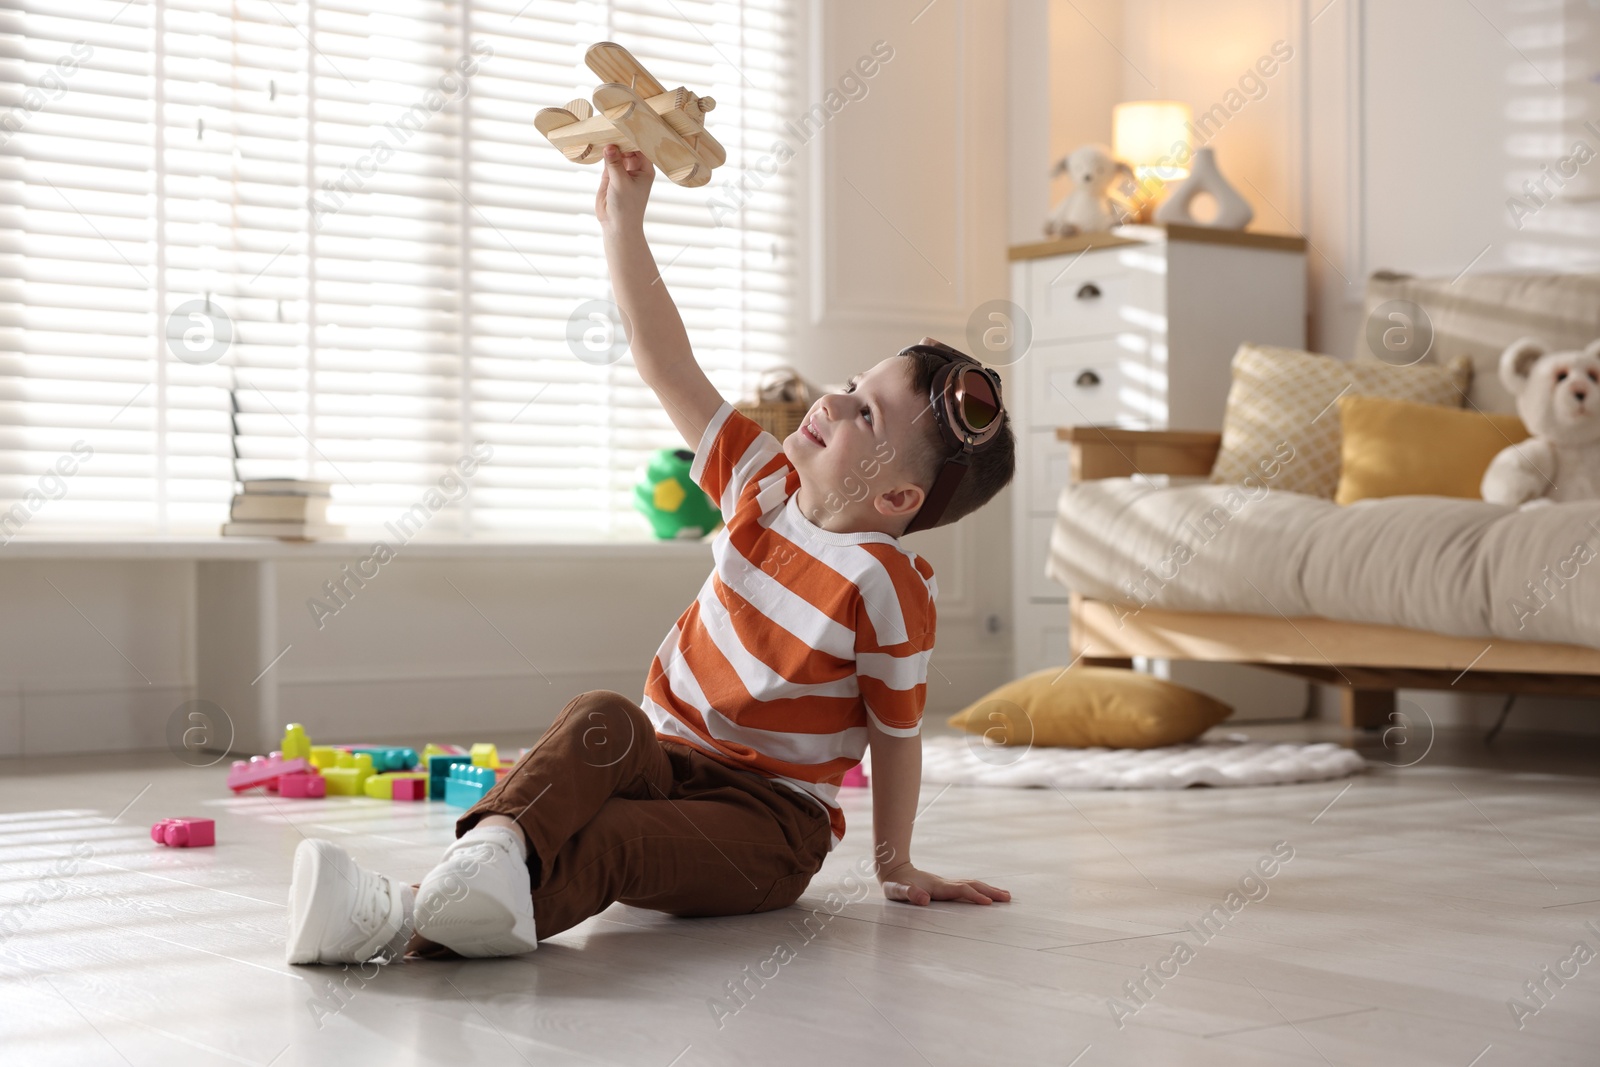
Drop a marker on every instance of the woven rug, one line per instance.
(968, 761)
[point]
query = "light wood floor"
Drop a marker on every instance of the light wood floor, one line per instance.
(1417, 903)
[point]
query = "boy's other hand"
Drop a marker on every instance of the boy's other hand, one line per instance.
(624, 190)
(920, 887)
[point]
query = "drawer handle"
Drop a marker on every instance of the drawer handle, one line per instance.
(1088, 291)
(1087, 380)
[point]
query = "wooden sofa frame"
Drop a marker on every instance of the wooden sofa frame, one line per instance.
(1367, 662)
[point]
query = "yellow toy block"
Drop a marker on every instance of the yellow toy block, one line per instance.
(359, 760)
(344, 781)
(349, 778)
(381, 786)
(324, 756)
(296, 745)
(485, 755)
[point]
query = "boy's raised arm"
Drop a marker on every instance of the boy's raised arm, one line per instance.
(656, 336)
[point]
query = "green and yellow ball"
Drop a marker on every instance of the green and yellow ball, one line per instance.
(668, 498)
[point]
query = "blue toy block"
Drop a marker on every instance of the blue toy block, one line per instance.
(389, 759)
(439, 770)
(466, 785)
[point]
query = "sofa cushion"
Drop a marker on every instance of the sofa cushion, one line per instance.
(1282, 420)
(1460, 567)
(1397, 448)
(1475, 316)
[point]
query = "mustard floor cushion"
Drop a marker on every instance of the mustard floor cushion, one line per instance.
(1091, 707)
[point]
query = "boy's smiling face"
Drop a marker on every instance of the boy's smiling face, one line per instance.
(857, 452)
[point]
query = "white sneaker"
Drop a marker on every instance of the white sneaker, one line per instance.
(339, 912)
(478, 900)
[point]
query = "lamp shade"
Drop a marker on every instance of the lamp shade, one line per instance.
(1152, 136)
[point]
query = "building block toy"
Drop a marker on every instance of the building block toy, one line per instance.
(324, 756)
(359, 760)
(487, 755)
(184, 833)
(410, 788)
(263, 771)
(637, 114)
(855, 778)
(466, 785)
(306, 785)
(431, 749)
(343, 782)
(381, 786)
(349, 778)
(296, 745)
(389, 759)
(439, 767)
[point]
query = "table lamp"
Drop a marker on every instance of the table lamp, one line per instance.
(1152, 136)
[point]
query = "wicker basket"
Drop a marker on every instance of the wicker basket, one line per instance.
(779, 419)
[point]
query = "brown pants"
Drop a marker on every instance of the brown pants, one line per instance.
(614, 813)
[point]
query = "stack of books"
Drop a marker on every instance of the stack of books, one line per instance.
(293, 509)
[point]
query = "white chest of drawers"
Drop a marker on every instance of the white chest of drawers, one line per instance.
(1135, 329)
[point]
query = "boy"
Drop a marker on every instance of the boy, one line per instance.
(809, 641)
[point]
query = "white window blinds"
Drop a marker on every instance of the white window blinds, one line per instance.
(326, 233)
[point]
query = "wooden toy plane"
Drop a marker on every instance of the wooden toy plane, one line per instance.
(637, 114)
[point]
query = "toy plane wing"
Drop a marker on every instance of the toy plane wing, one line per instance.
(636, 113)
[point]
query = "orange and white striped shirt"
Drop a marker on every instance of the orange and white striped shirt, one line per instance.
(799, 635)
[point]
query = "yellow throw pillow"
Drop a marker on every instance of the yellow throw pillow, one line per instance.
(1091, 707)
(1282, 422)
(1397, 448)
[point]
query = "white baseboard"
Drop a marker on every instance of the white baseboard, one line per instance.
(111, 719)
(447, 707)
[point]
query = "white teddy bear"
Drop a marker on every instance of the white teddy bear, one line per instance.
(1558, 397)
(1089, 207)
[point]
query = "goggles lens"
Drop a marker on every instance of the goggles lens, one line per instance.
(975, 398)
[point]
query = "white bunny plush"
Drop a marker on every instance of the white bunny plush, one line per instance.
(1558, 397)
(1089, 207)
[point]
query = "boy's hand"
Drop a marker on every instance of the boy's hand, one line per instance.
(919, 887)
(624, 190)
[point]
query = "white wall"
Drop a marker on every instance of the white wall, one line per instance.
(1393, 139)
(903, 233)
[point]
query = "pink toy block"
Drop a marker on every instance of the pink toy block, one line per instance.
(263, 771)
(410, 789)
(184, 833)
(854, 778)
(303, 785)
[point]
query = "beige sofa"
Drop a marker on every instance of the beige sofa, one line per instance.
(1413, 592)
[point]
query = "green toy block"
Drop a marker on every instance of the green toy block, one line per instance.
(324, 756)
(296, 745)
(485, 755)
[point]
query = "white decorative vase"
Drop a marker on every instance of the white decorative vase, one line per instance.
(1233, 211)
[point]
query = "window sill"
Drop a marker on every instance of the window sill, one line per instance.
(252, 548)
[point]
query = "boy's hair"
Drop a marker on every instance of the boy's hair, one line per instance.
(988, 470)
